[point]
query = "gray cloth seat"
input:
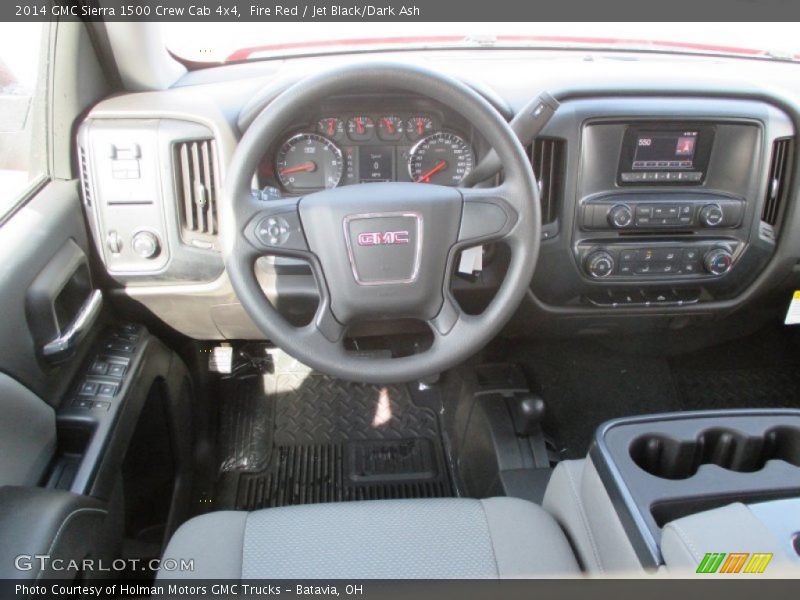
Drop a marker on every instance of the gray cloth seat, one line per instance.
(383, 539)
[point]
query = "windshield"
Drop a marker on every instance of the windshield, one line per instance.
(230, 42)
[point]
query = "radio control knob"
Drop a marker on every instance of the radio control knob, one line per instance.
(620, 216)
(711, 215)
(599, 264)
(145, 244)
(718, 261)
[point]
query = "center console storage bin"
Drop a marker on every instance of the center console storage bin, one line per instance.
(663, 467)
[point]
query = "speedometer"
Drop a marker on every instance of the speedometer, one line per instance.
(308, 162)
(442, 158)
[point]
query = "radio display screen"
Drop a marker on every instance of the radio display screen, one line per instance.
(665, 150)
(676, 153)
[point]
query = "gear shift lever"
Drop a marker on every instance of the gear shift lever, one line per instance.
(527, 412)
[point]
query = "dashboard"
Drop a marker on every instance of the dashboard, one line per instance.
(369, 145)
(668, 200)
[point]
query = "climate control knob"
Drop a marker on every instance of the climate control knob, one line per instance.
(599, 264)
(620, 216)
(711, 215)
(718, 261)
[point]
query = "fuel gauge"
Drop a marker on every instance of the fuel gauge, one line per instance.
(331, 127)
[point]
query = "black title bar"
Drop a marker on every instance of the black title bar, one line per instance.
(400, 10)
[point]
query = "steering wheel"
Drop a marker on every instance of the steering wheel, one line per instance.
(381, 250)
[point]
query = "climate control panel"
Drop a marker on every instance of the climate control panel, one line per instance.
(657, 261)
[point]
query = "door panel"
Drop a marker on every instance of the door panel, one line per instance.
(43, 250)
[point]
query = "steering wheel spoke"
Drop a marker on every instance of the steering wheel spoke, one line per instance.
(444, 322)
(487, 215)
(325, 322)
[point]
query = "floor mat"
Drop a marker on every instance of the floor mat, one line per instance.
(298, 437)
(760, 371)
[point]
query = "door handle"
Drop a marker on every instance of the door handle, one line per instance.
(63, 347)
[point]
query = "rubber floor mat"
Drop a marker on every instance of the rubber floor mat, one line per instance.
(299, 437)
(760, 371)
(776, 387)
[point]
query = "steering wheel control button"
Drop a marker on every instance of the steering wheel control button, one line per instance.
(599, 264)
(281, 231)
(718, 261)
(384, 248)
(275, 230)
(145, 244)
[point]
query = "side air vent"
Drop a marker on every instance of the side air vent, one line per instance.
(547, 159)
(86, 185)
(197, 191)
(778, 182)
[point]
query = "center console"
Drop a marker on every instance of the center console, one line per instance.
(666, 468)
(668, 203)
(664, 201)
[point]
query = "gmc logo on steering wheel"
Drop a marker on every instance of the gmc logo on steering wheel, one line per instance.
(382, 238)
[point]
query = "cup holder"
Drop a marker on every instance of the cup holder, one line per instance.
(670, 458)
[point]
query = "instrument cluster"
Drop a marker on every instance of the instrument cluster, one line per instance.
(336, 149)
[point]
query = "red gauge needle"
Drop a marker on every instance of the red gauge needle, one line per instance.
(426, 177)
(389, 125)
(420, 126)
(307, 166)
(331, 126)
(359, 126)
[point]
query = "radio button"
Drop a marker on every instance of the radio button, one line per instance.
(711, 215)
(620, 216)
(666, 212)
(628, 255)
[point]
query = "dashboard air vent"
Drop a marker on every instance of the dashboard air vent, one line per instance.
(547, 156)
(778, 182)
(86, 185)
(197, 191)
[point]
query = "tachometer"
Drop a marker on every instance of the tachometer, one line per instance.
(308, 162)
(442, 158)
